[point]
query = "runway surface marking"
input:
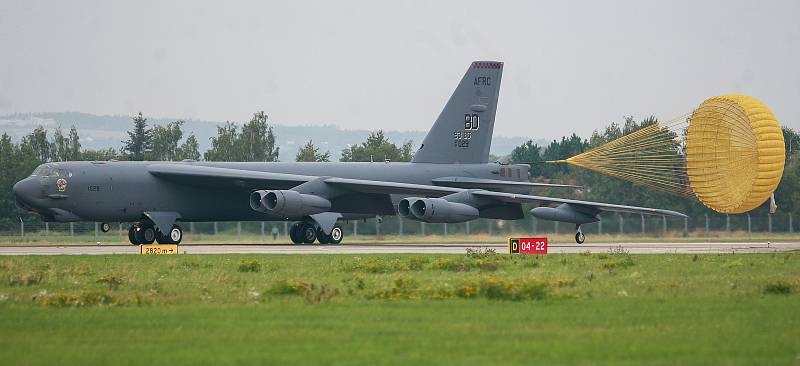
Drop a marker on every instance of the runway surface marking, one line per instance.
(635, 248)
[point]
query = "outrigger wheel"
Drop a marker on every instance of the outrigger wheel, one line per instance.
(579, 237)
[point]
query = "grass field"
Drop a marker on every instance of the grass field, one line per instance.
(480, 308)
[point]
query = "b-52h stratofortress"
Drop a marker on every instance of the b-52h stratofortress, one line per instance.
(449, 180)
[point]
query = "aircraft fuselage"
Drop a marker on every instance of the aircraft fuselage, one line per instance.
(118, 191)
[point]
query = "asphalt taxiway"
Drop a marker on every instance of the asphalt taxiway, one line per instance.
(636, 248)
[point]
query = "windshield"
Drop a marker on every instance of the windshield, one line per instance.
(48, 170)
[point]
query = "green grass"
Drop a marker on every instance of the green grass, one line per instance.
(482, 308)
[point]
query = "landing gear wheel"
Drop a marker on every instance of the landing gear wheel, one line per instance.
(294, 233)
(145, 234)
(174, 236)
(308, 233)
(579, 237)
(323, 238)
(132, 235)
(105, 227)
(336, 235)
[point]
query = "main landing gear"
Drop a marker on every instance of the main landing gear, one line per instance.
(579, 237)
(147, 233)
(306, 232)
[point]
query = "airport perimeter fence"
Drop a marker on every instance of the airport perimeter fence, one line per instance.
(610, 224)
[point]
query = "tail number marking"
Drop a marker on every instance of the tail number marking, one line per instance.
(471, 124)
(472, 121)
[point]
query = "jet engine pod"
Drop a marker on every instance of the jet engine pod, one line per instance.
(404, 207)
(438, 210)
(564, 213)
(291, 203)
(255, 201)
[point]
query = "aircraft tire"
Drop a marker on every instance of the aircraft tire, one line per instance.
(105, 227)
(132, 235)
(175, 234)
(579, 237)
(323, 238)
(336, 235)
(308, 233)
(146, 234)
(294, 233)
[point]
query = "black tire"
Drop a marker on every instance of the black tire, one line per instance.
(175, 234)
(323, 238)
(579, 237)
(105, 227)
(294, 233)
(146, 234)
(308, 233)
(336, 235)
(132, 235)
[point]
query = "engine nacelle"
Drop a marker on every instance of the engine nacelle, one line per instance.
(436, 210)
(563, 213)
(288, 203)
(255, 201)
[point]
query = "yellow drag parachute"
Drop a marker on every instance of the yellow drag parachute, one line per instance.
(729, 153)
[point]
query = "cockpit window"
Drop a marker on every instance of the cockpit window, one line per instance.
(42, 170)
(60, 172)
(47, 170)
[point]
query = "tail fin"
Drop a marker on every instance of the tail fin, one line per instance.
(463, 131)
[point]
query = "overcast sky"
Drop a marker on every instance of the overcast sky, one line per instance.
(569, 65)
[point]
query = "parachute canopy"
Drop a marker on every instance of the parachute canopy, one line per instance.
(729, 153)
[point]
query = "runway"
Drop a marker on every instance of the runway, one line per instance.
(634, 248)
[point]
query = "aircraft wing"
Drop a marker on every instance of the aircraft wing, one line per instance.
(205, 175)
(226, 177)
(598, 206)
(493, 184)
(381, 187)
(369, 186)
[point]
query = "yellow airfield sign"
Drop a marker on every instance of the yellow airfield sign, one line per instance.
(158, 249)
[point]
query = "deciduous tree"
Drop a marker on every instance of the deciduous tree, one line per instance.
(309, 152)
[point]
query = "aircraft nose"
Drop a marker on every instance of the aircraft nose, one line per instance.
(25, 189)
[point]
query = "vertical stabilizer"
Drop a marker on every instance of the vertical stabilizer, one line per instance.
(463, 131)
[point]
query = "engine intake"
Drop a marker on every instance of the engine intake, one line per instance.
(436, 210)
(288, 203)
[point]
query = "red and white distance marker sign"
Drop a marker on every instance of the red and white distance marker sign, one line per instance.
(527, 245)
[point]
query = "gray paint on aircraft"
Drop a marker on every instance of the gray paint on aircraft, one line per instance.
(452, 163)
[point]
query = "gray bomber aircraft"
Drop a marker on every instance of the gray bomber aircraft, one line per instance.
(449, 180)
